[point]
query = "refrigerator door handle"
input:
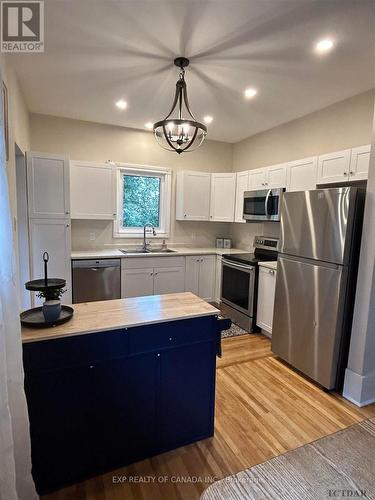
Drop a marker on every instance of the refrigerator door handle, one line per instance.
(266, 202)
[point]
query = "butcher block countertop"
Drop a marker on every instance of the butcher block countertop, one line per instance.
(106, 315)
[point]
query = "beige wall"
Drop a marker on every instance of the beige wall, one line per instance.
(343, 125)
(96, 142)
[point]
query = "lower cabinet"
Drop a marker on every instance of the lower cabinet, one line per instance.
(200, 276)
(266, 298)
(137, 282)
(169, 280)
(100, 401)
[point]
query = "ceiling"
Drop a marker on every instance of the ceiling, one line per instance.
(97, 52)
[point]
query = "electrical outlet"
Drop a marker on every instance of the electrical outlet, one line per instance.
(92, 236)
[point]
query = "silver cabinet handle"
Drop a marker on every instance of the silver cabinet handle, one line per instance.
(351, 172)
(67, 213)
(68, 225)
(151, 274)
(345, 173)
(201, 260)
(155, 274)
(184, 215)
(271, 271)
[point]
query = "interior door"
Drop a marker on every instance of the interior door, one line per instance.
(305, 329)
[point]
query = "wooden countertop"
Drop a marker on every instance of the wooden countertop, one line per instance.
(105, 315)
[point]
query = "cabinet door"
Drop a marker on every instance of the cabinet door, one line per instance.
(59, 410)
(169, 280)
(223, 192)
(193, 195)
(186, 402)
(242, 185)
(257, 178)
(276, 176)
(52, 236)
(266, 298)
(192, 274)
(359, 163)
(137, 282)
(122, 421)
(48, 186)
(207, 266)
(92, 191)
(334, 167)
(302, 174)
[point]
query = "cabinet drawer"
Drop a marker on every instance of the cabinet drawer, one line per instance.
(171, 334)
(70, 351)
(149, 261)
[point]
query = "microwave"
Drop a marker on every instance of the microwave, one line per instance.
(262, 205)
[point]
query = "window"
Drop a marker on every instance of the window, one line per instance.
(143, 197)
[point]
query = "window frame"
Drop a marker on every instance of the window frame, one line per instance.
(165, 175)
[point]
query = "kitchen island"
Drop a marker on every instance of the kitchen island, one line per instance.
(122, 381)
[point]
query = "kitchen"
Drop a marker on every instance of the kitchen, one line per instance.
(199, 236)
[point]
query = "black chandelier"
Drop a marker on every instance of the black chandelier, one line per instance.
(180, 134)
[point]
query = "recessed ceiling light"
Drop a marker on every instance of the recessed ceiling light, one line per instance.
(208, 119)
(324, 45)
(250, 92)
(121, 104)
(149, 125)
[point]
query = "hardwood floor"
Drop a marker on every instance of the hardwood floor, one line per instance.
(263, 408)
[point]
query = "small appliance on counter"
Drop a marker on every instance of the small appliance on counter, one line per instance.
(227, 243)
(219, 242)
(240, 282)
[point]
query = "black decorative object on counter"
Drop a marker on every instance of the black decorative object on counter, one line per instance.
(52, 312)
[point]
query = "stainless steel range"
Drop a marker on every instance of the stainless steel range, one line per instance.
(240, 282)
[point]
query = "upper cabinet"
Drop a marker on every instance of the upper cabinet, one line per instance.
(334, 167)
(242, 185)
(92, 191)
(268, 177)
(359, 163)
(276, 176)
(302, 174)
(48, 186)
(257, 178)
(222, 197)
(193, 195)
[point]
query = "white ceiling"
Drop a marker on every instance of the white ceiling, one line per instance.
(98, 51)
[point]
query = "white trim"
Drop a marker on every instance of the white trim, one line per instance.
(165, 175)
(359, 389)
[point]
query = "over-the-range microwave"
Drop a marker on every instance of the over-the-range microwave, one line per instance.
(263, 205)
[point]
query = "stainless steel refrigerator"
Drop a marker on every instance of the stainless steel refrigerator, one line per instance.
(316, 280)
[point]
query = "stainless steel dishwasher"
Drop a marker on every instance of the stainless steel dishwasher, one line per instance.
(96, 280)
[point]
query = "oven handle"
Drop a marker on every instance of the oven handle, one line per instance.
(238, 266)
(266, 202)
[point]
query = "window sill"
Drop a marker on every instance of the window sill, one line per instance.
(140, 235)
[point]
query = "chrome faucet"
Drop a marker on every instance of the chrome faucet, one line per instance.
(144, 247)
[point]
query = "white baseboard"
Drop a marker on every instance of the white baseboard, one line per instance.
(359, 389)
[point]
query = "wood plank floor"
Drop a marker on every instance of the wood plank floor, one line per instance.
(263, 408)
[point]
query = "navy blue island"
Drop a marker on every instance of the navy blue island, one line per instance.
(122, 381)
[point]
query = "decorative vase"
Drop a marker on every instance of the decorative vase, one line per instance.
(51, 310)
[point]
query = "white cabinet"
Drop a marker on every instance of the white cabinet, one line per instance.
(48, 186)
(334, 167)
(152, 275)
(193, 193)
(200, 276)
(276, 176)
(266, 298)
(92, 191)
(52, 236)
(169, 280)
(137, 282)
(302, 174)
(223, 188)
(359, 163)
(268, 177)
(257, 178)
(242, 185)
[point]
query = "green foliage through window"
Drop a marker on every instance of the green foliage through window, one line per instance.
(141, 201)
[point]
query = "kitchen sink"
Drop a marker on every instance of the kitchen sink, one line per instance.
(149, 250)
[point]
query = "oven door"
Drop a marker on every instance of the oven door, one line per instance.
(237, 286)
(262, 205)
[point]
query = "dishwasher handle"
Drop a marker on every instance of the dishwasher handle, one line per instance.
(95, 265)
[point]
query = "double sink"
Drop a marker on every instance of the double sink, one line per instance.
(148, 250)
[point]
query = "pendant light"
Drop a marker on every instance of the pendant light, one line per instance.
(182, 132)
